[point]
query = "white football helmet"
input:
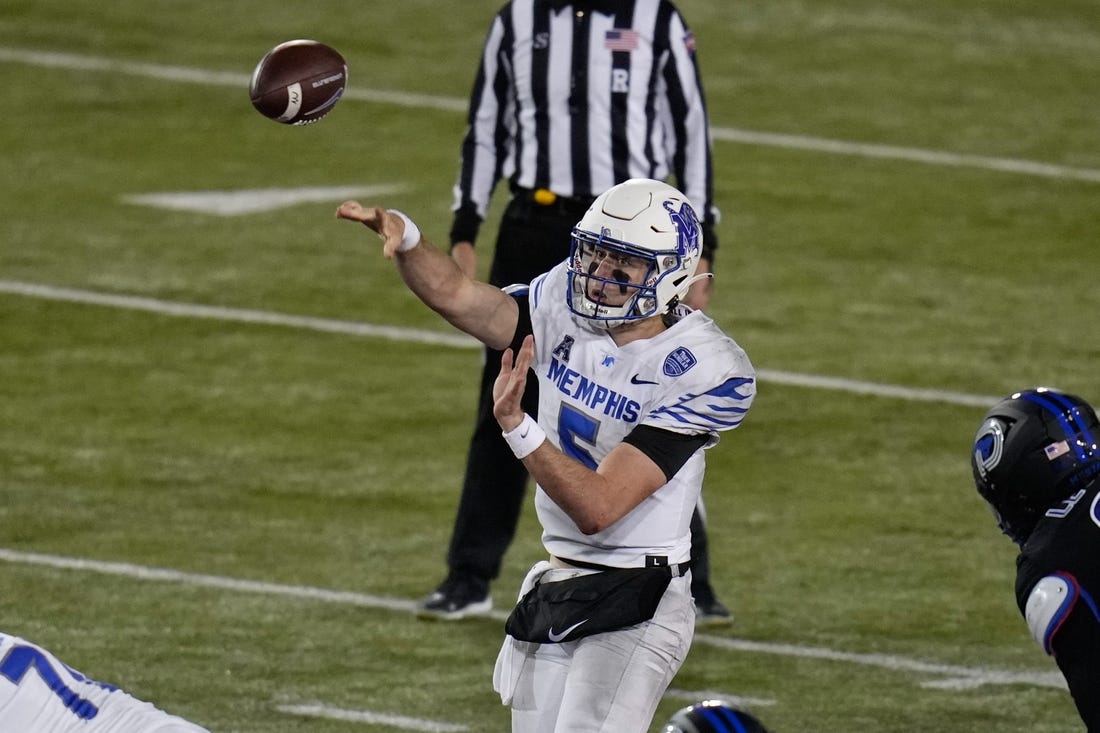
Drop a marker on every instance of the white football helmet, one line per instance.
(634, 253)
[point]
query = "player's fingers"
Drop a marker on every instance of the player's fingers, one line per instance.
(352, 210)
(506, 378)
(387, 226)
(372, 217)
(506, 361)
(516, 370)
(504, 386)
(526, 355)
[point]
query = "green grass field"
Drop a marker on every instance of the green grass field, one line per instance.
(911, 193)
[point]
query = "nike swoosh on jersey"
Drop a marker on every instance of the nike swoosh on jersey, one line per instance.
(637, 380)
(555, 638)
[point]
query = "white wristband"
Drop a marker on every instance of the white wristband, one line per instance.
(412, 231)
(525, 438)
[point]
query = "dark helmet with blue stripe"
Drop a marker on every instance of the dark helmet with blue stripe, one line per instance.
(1034, 450)
(713, 716)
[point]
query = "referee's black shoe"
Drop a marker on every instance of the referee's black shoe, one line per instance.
(457, 597)
(709, 611)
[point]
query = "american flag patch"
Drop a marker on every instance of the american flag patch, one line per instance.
(689, 42)
(1056, 449)
(621, 39)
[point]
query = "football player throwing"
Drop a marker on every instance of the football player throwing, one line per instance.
(633, 388)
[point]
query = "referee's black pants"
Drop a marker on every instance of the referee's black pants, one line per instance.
(533, 238)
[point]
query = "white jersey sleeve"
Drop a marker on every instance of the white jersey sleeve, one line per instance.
(706, 382)
(39, 692)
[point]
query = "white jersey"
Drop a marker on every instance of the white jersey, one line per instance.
(40, 694)
(691, 378)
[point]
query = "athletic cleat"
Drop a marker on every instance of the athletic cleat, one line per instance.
(711, 612)
(456, 598)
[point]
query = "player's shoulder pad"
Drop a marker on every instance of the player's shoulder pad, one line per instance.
(535, 290)
(1048, 606)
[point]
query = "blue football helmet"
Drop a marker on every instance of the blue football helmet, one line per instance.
(1033, 450)
(713, 716)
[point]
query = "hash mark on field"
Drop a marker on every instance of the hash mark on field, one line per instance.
(956, 677)
(457, 104)
(437, 338)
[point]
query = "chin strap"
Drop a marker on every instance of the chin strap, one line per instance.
(683, 291)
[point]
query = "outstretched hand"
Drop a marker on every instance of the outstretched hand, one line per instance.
(511, 383)
(389, 227)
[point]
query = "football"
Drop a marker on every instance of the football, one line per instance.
(298, 82)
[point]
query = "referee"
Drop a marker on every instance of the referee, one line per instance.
(571, 97)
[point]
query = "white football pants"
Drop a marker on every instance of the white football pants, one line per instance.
(604, 683)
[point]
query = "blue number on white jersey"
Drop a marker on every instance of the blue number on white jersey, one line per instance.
(574, 424)
(20, 659)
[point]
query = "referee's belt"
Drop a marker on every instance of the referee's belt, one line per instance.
(651, 561)
(573, 205)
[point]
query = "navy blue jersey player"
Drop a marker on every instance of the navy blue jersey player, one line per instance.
(1036, 459)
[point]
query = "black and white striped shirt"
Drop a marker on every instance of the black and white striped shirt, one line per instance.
(577, 96)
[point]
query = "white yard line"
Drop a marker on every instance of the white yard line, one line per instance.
(239, 315)
(239, 79)
(255, 201)
(318, 710)
(912, 155)
(374, 717)
(438, 338)
(946, 676)
(693, 696)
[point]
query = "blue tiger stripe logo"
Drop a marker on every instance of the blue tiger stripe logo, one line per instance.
(720, 407)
